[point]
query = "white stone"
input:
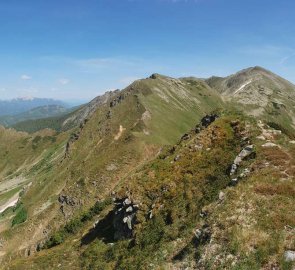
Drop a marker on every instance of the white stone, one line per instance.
(221, 195)
(289, 256)
(129, 209)
(261, 137)
(269, 144)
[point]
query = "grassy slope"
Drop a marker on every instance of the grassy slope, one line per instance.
(192, 183)
(84, 175)
(248, 228)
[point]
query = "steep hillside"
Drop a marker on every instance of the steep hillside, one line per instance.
(21, 156)
(35, 113)
(123, 132)
(260, 92)
(221, 198)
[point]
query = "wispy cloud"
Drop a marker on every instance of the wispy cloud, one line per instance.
(25, 77)
(287, 58)
(63, 81)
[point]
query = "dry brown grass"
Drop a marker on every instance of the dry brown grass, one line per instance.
(282, 189)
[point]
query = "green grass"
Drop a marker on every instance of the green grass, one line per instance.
(21, 215)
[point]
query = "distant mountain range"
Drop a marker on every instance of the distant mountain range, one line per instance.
(20, 105)
(33, 114)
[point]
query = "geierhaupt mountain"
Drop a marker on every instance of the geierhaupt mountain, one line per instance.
(167, 173)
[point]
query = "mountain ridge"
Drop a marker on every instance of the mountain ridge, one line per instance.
(134, 181)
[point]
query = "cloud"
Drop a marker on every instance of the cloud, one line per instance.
(63, 81)
(25, 77)
(286, 59)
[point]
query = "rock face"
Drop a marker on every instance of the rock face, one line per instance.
(124, 218)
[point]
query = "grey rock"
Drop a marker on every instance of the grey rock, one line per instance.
(127, 201)
(129, 209)
(247, 151)
(233, 169)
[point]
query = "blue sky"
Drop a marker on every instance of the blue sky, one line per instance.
(74, 49)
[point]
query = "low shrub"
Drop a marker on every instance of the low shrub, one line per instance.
(20, 217)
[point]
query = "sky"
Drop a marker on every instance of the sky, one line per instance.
(76, 50)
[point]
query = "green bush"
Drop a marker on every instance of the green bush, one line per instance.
(56, 239)
(73, 226)
(20, 217)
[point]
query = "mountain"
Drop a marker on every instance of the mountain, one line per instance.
(35, 113)
(20, 105)
(260, 93)
(164, 174)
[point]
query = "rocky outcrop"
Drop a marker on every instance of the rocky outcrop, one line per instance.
(202, 235)
(116, 100)
(205, 122)
(67, 204)
(245, 153)
(124, 218)
(208, 119)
